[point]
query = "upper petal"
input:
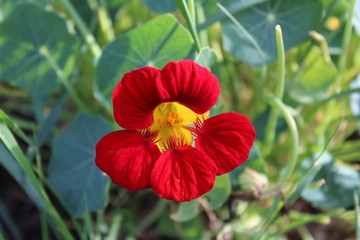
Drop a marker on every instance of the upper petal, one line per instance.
(227, 139)
(128, 158)
(183, 174)
(135, 97)
(189, 84)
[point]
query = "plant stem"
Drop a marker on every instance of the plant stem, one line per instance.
(294, 135)
(105, 22)
(184, 9)
(321, 131)
(279, 92)
(84, 31)
(64, 80)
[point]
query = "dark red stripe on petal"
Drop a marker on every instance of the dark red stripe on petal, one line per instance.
(190, 84)
(135, 97)
(183, 174)
(128, 158)
(227, 139)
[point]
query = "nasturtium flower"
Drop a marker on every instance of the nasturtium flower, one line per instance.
(170, 144)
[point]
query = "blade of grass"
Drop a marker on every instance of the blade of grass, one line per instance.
(11, 144)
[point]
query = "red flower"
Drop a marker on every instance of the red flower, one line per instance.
(170, 144)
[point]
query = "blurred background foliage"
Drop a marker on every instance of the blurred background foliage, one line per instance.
(60, 59)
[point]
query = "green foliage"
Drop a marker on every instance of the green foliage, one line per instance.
(186, 211)
(35, 48)
(311, 86)
(339, 184)
(295, 17)
(72, 171)
(60, 60)
(155, 43)
(161, 6)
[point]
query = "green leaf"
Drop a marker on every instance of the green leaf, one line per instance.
(311, 86)
(206, 57)
(164, 6)
(337, 191)
(155, 43)
(7, 5)
(72, 169)
(296, 18)
(29, 37)
(186, 211)
(220, 193)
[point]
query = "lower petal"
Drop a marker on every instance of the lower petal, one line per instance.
(227, 139)
(183, 174)
(128, 158)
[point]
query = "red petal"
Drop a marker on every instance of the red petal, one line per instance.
(183, 174)
(227, 139)
(135, 97)
(190, 84)
(128, 158)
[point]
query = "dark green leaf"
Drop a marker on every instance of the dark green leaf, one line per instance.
(72, 170)
(161, 6)
(29, 37)
(296, 18)
(7, 5)
(337, 191)
(155, 43)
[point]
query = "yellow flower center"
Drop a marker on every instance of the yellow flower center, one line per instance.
(170, 122)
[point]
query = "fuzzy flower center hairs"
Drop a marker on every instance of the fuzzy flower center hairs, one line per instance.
(170, 144)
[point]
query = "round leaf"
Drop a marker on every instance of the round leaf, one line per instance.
(296, 18)
(72, 170)
(186, 211)
(155, 43)
(337, 191)
(29, 37)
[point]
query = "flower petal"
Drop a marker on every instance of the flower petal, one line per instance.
(183, 174)
(128, 158)
(227, 139)
(189, 84)
(135, 97)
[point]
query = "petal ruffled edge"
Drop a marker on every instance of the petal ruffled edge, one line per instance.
(183, 174)
(135, 97)
(189, 84)
(127, 157)
(227, 139)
